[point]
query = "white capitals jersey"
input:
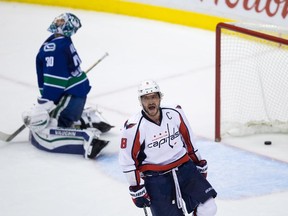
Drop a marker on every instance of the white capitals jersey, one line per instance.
(146, 145)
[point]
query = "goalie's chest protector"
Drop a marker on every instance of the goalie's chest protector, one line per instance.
(162, 143)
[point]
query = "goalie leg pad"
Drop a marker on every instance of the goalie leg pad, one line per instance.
(91, 118)
(95, 147)
(71, 141)
(57, 144)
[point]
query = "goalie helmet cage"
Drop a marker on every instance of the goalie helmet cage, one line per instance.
(251, 79)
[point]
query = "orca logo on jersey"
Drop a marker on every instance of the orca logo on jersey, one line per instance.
(49, 47)
(164, 140)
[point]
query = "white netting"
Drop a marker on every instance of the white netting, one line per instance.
(254, 82)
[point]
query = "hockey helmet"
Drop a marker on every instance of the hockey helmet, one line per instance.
(147, 87)
(66, 24)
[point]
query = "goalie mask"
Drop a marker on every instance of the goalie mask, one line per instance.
(66, 24)
(147, 87)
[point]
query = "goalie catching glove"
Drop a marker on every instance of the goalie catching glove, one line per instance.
(37, 118)
(140, 196)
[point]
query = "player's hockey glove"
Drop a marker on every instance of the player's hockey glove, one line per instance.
(140, 196)
(202, 167)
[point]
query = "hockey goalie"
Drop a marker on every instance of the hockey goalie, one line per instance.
(59, 122)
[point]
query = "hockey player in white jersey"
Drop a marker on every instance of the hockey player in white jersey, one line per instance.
(161, 162)
(58, 122)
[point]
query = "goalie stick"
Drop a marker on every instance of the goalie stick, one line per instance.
(8, 137)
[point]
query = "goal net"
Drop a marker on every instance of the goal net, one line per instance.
(251, 79)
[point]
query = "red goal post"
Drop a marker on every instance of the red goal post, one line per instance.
(251, 94)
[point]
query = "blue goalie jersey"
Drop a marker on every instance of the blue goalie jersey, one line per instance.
(58, 70)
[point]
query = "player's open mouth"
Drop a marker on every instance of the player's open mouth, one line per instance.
(151, 107)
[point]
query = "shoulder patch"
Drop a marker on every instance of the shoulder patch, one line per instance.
(49, 47)
(127, 126)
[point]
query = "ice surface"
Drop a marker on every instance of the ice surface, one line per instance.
(181, 59)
